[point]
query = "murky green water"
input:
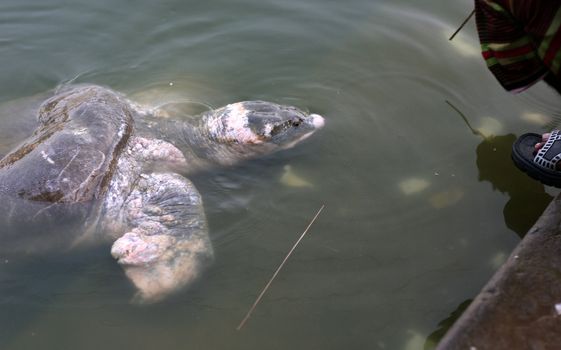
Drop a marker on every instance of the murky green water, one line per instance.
(419, 210)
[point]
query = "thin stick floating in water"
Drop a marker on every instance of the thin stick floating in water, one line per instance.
(475, 132)
(462, 25)
(248, 315)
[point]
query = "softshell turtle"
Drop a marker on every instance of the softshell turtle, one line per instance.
(100, 168)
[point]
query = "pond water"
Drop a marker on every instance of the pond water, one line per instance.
(419, 210)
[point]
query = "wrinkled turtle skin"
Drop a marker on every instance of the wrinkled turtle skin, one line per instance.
(99, 168)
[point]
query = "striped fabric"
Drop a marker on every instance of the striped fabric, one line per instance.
(520, 39)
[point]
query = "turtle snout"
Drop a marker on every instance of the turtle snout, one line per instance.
(317, 121)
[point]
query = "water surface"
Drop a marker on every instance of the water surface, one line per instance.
(420, 211)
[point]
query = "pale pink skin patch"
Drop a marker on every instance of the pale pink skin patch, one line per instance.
(234, 126)
(136, 249)
(153, 264)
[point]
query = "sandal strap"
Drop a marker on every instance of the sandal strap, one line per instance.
(550, 154)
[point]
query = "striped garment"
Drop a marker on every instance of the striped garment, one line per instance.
(520, 39)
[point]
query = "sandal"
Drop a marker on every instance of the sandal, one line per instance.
(542, 165)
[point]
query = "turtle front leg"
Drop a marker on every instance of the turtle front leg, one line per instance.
(167, 245)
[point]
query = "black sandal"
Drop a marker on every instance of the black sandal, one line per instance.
(543, 165)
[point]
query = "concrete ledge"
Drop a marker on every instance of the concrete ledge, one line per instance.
(517, 307)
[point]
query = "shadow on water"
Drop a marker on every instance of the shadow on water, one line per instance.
(495, 166)
(528, 198)
(444, 326)
(527, 202)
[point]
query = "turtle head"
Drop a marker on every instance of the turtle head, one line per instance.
(262, 126)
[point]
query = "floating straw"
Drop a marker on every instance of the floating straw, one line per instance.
(462, 25)
(248, 315)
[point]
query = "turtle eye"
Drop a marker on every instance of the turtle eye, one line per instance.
(296, 122)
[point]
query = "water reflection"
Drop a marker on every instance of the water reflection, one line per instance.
(443, 326)
(527, 202)
(528, 198)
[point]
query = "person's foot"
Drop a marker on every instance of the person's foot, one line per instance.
(539, 145)
(544, 139)
(529, 153)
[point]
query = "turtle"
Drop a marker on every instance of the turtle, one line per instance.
(100, 168)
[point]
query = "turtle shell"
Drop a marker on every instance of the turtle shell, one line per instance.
(71, 156)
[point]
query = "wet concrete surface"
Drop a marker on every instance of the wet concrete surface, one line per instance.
(520, 307)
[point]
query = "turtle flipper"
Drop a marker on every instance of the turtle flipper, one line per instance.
(167, 245)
